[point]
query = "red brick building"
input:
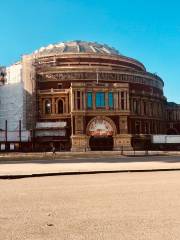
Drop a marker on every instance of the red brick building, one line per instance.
(86, 96)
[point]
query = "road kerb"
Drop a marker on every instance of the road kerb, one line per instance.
(18, 176)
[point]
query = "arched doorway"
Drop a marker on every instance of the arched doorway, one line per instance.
(101, 131)
(60, 106)
(101, 143)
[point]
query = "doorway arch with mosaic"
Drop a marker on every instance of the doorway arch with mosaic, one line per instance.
(101, 131)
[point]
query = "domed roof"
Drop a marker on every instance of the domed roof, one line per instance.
(84, 47)
(76, 47)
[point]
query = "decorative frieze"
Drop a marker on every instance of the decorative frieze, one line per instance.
(102, 76)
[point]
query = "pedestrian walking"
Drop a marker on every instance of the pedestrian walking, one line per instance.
(53, 150)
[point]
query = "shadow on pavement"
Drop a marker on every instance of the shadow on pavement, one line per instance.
(101, 159)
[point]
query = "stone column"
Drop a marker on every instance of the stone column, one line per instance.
(85, 101)
(115, 95)
(94, 100)
(75, 100)
(66, 100)
(128, 104)
(125, 100)
(53, 106)
(106, 99)
(120, 107)
(71, 100)
(81, 100)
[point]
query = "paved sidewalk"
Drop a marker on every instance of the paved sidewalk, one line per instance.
(83, 163)
(11, 156)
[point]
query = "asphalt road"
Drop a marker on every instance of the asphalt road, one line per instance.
(131, 206)
(86, 164)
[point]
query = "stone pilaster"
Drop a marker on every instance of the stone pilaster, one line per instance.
(122, 142)
(123, 125)
(79, 125)
(80, 143)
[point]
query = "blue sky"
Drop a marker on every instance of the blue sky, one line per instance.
(146, 30)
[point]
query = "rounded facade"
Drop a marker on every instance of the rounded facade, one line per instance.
(105, 100)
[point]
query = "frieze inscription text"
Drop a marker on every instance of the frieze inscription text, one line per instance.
(102, 76)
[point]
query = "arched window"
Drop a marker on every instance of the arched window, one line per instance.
(60, 106)
(47, 106)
